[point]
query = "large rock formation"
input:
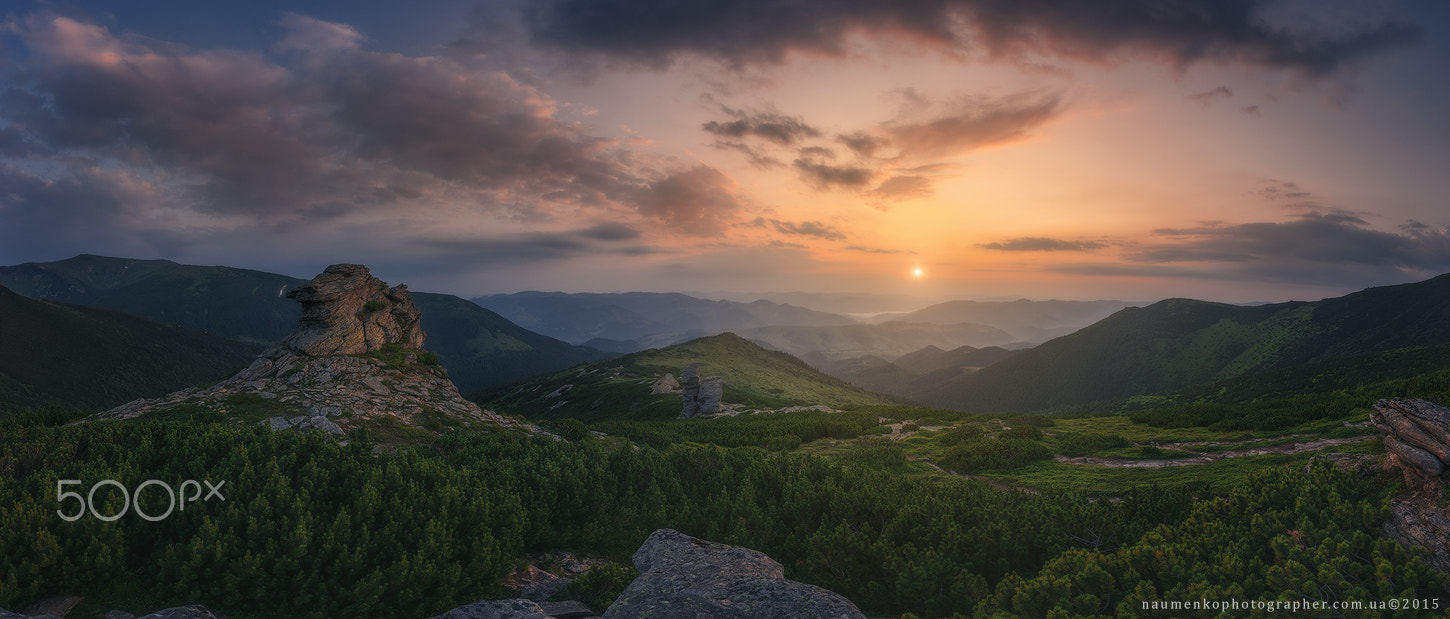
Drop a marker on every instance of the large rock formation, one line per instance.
(347, 311)
(355, 356)
(682, 576)
(701, 396)
(1417, 441)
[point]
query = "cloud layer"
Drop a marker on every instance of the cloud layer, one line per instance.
(743, 32)
(162, 145)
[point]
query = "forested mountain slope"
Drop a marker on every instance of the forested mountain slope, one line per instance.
(1179, 343)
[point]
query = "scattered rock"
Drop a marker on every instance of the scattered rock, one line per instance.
(496, 609)
(1417, 442)
(701, 396)
(118, 614)
(544, 590)
(55, 605)
(569, 609)
(195, 611)
(1417, 435)
(682, 576)
(666, 384)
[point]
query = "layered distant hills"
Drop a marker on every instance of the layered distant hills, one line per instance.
(645, 317)
(1178, 343)
(71, 356)
(477, 346)
(965, 354)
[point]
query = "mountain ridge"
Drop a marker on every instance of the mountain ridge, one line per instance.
(479, 347)
(1178, 343)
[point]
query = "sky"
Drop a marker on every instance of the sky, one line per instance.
(1229, 150)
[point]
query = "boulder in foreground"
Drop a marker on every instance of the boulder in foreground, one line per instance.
(686, 577)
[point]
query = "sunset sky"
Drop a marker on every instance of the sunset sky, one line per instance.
(1219, 149)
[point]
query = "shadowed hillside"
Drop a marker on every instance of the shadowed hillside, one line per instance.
(1179, 343)
(478, 347)
(70, 356)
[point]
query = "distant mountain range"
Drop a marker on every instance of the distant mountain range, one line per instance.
(1027, 321)
(1177, 343)
(478, 347)
(580, 317)
(58, 355)
(629, 322)
(914, 373)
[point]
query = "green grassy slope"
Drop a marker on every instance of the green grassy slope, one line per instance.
(70, 356)
(620, 388)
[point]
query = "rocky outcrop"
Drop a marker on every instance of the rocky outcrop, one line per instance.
(355, 356)
(701, 396)
(347, 311)
(496, 609)
(1417, 441)
(1416, 436)
(682, 576)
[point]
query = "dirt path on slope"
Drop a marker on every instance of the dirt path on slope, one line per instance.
(1206, 458)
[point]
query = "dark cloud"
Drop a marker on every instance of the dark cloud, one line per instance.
(1281, 190)
(904, 187)
(1209, 96)
(770, 126)
(521, 249)
(974, 123)
(742, 32)
(1329, 242)
(862, 143)
(1251, 110)
(876, 250)
(927, 132)
(610, 231)
(824, 175)
(698, 201)
(216, 140)
(1037, 243)
(808, 228)
(757, 158)
(805, 228)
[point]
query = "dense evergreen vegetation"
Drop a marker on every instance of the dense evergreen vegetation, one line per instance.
(340, 530)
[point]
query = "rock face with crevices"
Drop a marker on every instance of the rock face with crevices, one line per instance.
(683, 576)
(700, 395)
(1417, 441)
(356, 355)
(347, 311)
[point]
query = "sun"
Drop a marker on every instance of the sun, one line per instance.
(917, 273)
